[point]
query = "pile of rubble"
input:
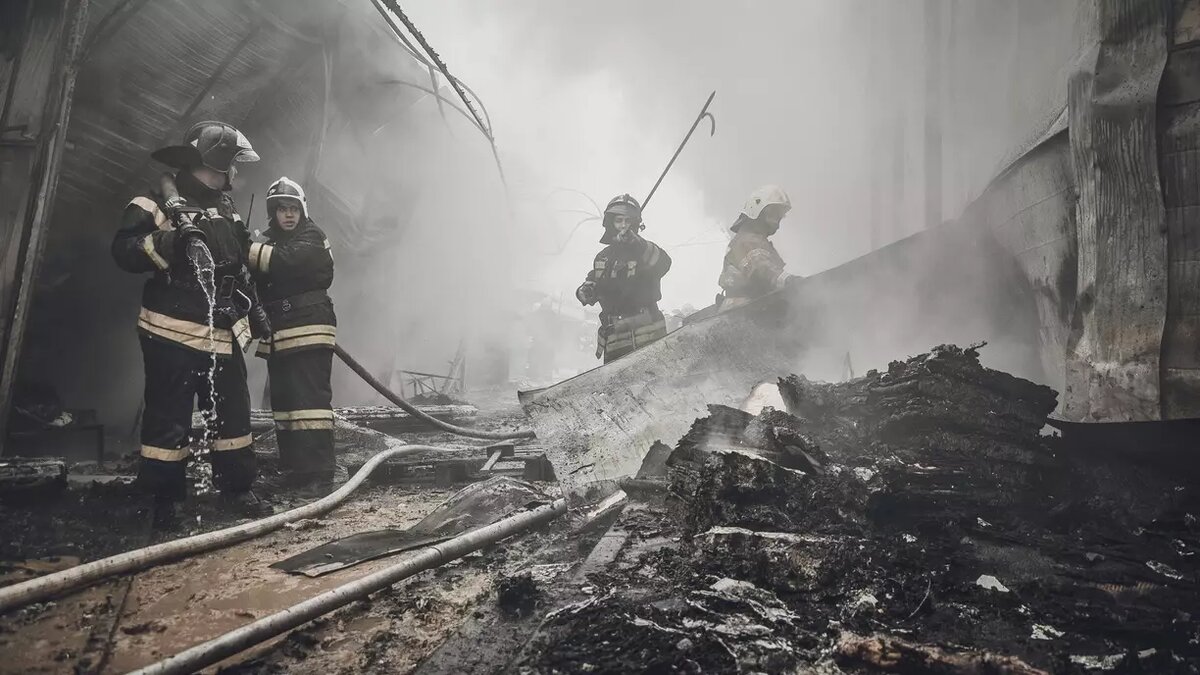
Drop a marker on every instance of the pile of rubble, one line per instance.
(915, 520)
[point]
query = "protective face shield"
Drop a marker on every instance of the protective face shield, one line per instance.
(215, 145)
(286, 189)
(622, 220)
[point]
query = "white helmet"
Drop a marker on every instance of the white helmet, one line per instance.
(286, 188)
(763, 197)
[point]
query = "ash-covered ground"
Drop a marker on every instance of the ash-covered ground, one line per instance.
(915, 520)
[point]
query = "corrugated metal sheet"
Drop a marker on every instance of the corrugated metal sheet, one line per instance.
(953, 284)
(1113, 370)
(1179, 151)
(154, 69)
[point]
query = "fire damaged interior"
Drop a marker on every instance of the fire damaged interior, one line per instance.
(320, 359)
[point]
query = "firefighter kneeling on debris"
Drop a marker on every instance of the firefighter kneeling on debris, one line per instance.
(626, 280)
(294, 270)
(194, 242)
(752, 267)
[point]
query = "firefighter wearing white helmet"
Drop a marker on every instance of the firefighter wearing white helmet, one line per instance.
(294, 270)
(752, 266)
(626, 280)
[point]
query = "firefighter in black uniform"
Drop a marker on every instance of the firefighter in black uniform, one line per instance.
(625, 280)
(173, 233)
(294, 269)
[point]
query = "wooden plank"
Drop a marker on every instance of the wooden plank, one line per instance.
(61, 25)
(20, 474)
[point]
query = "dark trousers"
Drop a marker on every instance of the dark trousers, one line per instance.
(302, 405)
(176, 379)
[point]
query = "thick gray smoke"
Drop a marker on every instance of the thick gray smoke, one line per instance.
(588, 100)
(819, 97)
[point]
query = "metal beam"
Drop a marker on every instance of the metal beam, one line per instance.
(56, 88)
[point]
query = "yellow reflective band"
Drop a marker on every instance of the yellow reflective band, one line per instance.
(264, 349)
(303, 425)
(148, 246)
(264, 258)
(298, 342)
(226, 444)
(241, 332)
(328, 246)
(186, 333)
(639, 337)
(165, 454)
(310, 329)
(260, 256)
(149, 206)
(313, 414)
(304, 336)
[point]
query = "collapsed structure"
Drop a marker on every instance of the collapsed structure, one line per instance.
(915, 519)
(912, 520)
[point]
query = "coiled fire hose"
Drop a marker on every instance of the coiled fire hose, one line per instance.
(43, 587)
(418, 413)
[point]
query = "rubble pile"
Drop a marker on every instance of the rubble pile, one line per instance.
(914, 520)
(939, 433)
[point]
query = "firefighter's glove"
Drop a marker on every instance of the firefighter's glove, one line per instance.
(587, 293)
(260, 325)
(185, 233)
(793, 282)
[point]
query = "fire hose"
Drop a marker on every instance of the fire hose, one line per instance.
(27, 592)
(34, 590)
(420, 414)
(208, 653)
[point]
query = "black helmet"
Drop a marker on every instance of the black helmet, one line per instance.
(618, 204)
(215, 145)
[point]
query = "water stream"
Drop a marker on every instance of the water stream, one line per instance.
(202, 262)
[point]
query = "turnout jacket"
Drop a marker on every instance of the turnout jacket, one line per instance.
(175, 306)
(294, 271)
(628, 278)
(752, 266)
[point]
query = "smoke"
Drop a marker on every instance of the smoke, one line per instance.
(433, 252)
(826, 99)
(589, 100)
(596, 96)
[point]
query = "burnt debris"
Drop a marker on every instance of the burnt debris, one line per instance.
(913, 520)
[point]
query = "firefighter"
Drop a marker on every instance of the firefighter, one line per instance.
(752, 267)
(294, 269)
(173, 236)
(625, 279)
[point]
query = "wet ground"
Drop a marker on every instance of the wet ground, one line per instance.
(133, 621)
(915, 520)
